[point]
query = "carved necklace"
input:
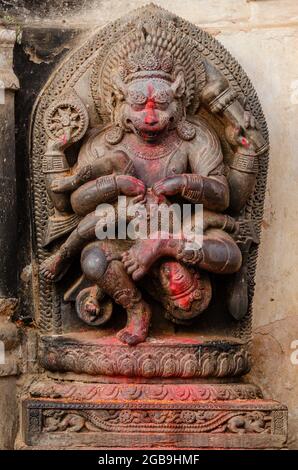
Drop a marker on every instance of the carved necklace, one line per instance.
(154, 151)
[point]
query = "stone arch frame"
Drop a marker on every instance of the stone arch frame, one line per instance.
(78, 64)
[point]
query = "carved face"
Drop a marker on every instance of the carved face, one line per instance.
(152, 106)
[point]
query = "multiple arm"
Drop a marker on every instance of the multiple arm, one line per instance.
(215, 191)
(113, 163)
(212, 191)
(242, 133)
(104, 179)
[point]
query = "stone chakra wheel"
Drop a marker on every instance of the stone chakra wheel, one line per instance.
(93, 319)
(67, 114)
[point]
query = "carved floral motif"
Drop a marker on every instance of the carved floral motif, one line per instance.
(150, 361)
(144, 392)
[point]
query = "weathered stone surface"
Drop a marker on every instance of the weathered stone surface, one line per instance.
(275, 324)
(142, 421)
(9, 335)
(263, 36)
(8, 412)
(10, 366)
(276, 344)
(160, 357)
(233, 14)
(143, 392)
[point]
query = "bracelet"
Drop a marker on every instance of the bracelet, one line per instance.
(54, 163)
(245, 163)
(192, 195)
(223, 101)
(107, 187)
(230, 224)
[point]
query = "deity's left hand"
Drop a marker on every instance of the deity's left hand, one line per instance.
(169, 186)
(237, 136)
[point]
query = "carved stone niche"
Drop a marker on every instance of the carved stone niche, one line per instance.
(149, 97)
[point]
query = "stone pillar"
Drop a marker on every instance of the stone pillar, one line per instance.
(9, 335)
(8, 84)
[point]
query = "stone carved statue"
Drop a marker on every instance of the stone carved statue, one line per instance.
(154, 109)
(155, 147)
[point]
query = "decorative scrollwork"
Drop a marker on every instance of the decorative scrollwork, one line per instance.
(158, 421)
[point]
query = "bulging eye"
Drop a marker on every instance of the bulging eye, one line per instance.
(136, 98)
(162, 98)
(162, 106)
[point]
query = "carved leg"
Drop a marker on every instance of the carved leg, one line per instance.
(219, 253)
(118, 285)
(54, 267)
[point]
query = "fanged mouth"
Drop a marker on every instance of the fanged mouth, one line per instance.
(149, 135)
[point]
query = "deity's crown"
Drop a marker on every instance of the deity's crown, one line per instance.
(152, 48)
(146, 62)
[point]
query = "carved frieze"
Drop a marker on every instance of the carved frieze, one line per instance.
(248, 424)
(144, 393)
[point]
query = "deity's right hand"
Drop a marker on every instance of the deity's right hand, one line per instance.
(62, 143)
(130, 186)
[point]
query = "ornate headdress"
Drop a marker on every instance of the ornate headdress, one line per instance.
(147, 61)
(154, 49)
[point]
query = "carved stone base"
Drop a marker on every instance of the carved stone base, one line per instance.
(156, 416)
(159, 357)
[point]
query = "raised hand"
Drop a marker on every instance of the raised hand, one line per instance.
(62, 143)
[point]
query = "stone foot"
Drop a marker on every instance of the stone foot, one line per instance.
(54, 267)
(140, 257)
(138, 323)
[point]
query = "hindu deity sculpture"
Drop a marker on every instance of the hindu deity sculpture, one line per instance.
(154, 150)
(147, 334)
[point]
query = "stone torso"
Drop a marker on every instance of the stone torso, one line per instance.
(153, 162)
